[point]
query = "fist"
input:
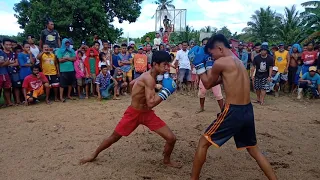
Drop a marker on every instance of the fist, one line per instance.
(158, 86)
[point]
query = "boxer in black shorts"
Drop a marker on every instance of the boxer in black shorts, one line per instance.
(237, 118)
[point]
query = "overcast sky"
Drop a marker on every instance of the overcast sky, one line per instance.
(200, 13)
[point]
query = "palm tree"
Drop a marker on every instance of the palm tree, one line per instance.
(311, 18)
(262, 25)
(163, 6)
(290, 29)
(209, 29)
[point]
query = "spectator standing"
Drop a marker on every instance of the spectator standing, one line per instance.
(157, 41)
(50, 36)
(115, 58)
(140, 62)
(34, 48)
(309, 58)
(282, 61)
(91, 64)
(184, 65)
(5, 82)
(66, 57)
(107, 52)
(26, 60)
(295, 56)
(80, 73)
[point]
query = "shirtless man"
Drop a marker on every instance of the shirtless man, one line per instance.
(144, 98)
(237, 119)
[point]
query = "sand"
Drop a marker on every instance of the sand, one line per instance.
(46, 141)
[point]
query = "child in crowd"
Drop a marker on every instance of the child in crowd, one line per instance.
(80, 73)
(122, 85)
(91, 64)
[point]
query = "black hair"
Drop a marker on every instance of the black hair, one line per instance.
(147, 36)
(32, 36)
(257, 44)
(172, 55)
(116, 46)
(184, 42)
(219, 38)
(24, 43)
(124, 45)
(18, 47)
(35, 66)
(48, 21)
(80, 53)
(4, 40)
(103, 66)
(129, 47)
(96, 42)
(105, 41)
(204, 39)
(310, 43)
(101, 56)
(14, 41)
(160, 56)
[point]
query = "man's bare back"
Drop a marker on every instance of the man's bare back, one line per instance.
(235, 80)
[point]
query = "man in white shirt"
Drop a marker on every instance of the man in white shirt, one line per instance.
(157, 41)
(184, 65)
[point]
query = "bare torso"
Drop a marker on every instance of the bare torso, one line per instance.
(138, 96)
(294, 60)
(235, 81)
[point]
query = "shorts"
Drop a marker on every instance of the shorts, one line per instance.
(35, 93)
(93, 76)
(128, 74)
(81, 82)
(283, 78)
(53, 80)
(132, 118)
(216, 90)
(260, 83)
(5, 81)
(292, 74)
(235, 121)
(15, 80)
(184, 74)
(67, 79)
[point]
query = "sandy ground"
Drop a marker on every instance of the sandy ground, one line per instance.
(47, 141)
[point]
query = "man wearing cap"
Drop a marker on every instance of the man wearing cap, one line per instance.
(140, 62)
(242, 54)
(262, 66)
(282, 61)
(274, 84)
(310, 80)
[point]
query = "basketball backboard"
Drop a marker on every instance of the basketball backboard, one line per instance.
(176, 19)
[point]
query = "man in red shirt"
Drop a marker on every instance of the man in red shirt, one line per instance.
(309, 58)
(34, 86)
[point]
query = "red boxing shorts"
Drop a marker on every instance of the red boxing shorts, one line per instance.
(132, 118)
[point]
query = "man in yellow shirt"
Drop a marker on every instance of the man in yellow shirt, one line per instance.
(49, 66)
(282, 61)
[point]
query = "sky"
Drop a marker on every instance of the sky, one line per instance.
(200, 13)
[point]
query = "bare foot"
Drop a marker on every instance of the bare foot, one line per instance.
(85, 160)
(172, 164)
(116, 98)
(48, 102)
(199, 111)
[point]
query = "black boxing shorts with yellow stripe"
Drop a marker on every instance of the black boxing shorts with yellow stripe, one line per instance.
(234, 121)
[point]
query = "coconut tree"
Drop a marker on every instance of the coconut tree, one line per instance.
(263, 24)
(311, 18)
(290, 28)
(163, 7)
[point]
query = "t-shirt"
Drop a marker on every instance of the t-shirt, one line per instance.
(309, 57)
(115, 59)
(11, 57)
(92, 63)
(183, 59)
(262, 66)
(79, 68)
(3, 58)
(35, 51)
(23, 60)
(50, 38)
(125, 57)
(118, 77)
(140, 62)
(31, 82)
(48, 63)
(281, 60)
(103, 80)
(165, 39)
(157, 41)
(67, 66)
(315, 80)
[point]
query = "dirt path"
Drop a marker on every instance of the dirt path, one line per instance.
(46, 142)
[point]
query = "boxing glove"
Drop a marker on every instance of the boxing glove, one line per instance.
(209, 62)
(197, 56)
(168, 87)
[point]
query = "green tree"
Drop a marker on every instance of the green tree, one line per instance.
(225, 31)
(209, 29)
(86, 17)
(262, 25)
(164, 4)
(152, 35)
(290, 29)
(311, 19)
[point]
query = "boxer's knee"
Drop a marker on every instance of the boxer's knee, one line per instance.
(171, 139)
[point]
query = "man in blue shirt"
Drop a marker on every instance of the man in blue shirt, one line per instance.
(115, 58)
(310, 80)
(5, 82)
(25, 59)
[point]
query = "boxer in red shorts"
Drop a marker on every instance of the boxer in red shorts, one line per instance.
(144, 98)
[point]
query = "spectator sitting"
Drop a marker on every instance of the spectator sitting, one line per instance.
(34, 86)
(103, 84)
(274, 85)
(310, 81)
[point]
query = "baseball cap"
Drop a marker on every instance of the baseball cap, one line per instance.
(281, 44)
(264, 47)
(312, 68)
(140, 47)
(131, 42)
(275, 68)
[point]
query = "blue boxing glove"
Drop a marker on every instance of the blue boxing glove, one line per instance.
(209, 62)
(168, 87)
(197, 57)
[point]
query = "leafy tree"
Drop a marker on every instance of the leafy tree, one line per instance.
(164, 4)
(209, 29)
(19, 38)
(86, 17)
(262, 25)
(225, 31)
(311, 19)
(152, 35)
